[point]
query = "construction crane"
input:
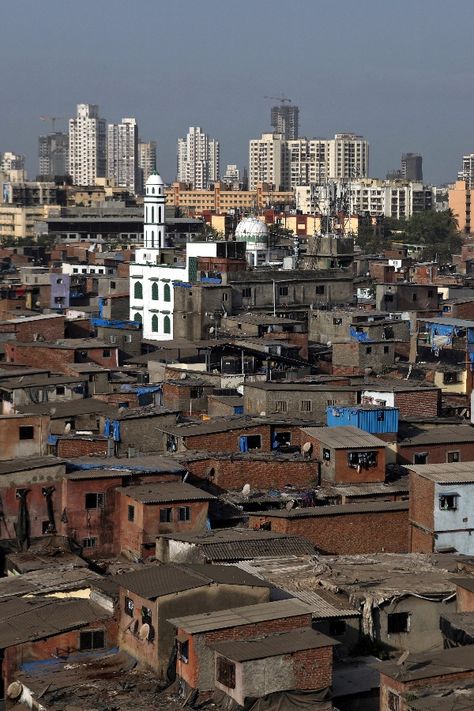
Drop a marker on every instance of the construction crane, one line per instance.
(282, 99)
(53, 120)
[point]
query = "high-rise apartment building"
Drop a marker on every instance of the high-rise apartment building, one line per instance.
(87, 145)
(285, 120)
(412, 166)
(198, 159)
(11, 161)
(146, 162)
(53, 152)
(467, 172)
(122, 154)
(287, 164)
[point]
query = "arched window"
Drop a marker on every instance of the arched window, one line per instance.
(167, 324)
(154, 323)
(154, 291)
(153, 190)
(138, 290)
(159, 214)
(152, 213)
(138, 318)
(167, 293)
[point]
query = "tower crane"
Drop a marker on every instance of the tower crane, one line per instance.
(53, 120)
(282, 99)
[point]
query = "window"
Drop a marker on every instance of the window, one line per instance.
(166, 515)
(414, 297)
(113, 285)
(131, 513)
(326, 454)
(47, 527)
(448, 502)
(196, 392)
(90, 542)
(363, 460)
(283, 290)
(128, 338)
(453, 457)
(166, 292)
(113, 339)
(138, 318)
(420, 457)
(393, 701)
(106, 353)
(154, 291)
(226, 672)
(281, 406)
(398, 622)
(306, 406)
(450, 378)
(368, 349)
(92, 639)
(337, 321)
(166, 324)
(320, 289)
(386, 349)
(254, 442)
(60, 390)
(138, 290)
(129, 606)
(247, 292)
(388, 297)
(337, 628)
(184, 513)
(95, 501)
(146, 616)
(154, 323)
(430, 293)
(225, 297)
(26, 432)
(183, 651)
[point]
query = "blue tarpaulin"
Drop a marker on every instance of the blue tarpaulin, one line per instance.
(53, 439)
(116, 430)
(359, 335)
(243, 443)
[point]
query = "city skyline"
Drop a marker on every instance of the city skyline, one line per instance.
(400, 84)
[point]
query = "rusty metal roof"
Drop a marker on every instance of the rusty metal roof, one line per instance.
(273, 645)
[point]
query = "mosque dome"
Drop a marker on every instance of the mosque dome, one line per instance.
(155, 179)
(252, 231)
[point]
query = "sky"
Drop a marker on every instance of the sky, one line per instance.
(399, 73)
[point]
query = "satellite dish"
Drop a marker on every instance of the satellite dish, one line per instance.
(246, 489)
(15, 690)
(183, 376)
(401, 660)
(263, 414)
(144, 631)
(307, 448)
(67, 428)
(212, 329)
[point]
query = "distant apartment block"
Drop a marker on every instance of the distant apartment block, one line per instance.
(53, 150)
(285, 120)
(198, 159)
(412, 166)
(122, 154)
(146, 162)
(87, 145)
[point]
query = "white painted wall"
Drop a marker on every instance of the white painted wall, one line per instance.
(452, 527)
(388, 397)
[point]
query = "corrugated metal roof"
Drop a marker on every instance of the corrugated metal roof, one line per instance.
(325, 605)
(455, 473)
(431, 664)
(158, 580)
(27, 620)
(238, 616)
(159, 492)
(243, 544)
(448, 434)
(21, 464)
(338, 510)
(273, 645)
(344, 437)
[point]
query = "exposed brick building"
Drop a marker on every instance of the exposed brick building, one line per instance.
(61, 356)
(346, 529)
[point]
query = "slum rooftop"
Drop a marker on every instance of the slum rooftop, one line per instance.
(451, 473)
(344, 437)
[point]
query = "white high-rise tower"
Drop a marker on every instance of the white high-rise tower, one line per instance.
(154, 228)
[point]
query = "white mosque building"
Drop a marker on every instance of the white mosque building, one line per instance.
(254, 233)
(152, 282)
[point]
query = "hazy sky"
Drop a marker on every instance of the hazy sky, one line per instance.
(400, 73)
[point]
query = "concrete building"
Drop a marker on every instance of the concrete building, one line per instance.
(391, 198)
(285, 164)
(53, 151)
(198, 159)
(285, 120)
(467, 173)
(20, 222)
(221, 201)
(412, 166)
(122, 154)
(87, 145)
(11, 161)
(441, 507)
(461, 202)
(146, 162)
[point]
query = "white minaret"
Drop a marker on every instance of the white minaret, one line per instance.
(154, 229)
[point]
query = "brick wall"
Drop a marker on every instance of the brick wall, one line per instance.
(421, 541)
(411, 404)
(57, 359)
(421, 501)
(229, 441)
(437, 453)
(347, 534)
(464, 599)
(313, 668)
(76, 447)
(231, 474)
(401, 688)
